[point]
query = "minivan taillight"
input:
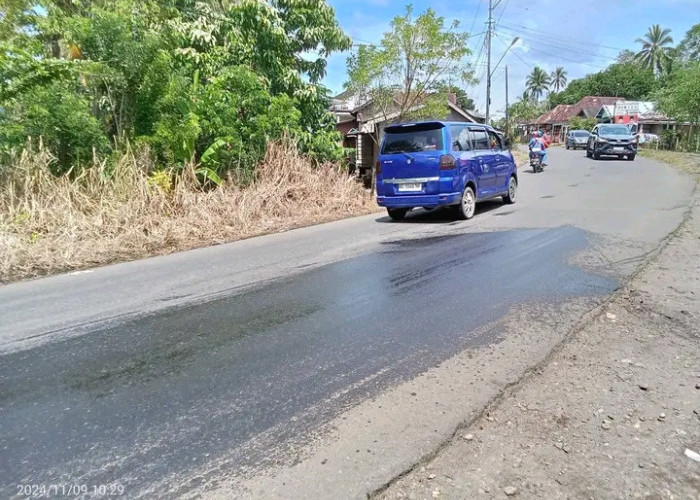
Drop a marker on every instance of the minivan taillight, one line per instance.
(447, 162)
(378, 168)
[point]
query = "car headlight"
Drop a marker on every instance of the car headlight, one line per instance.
(602, 141)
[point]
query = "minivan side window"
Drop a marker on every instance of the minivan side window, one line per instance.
(479, 139)
(495, 140)
(460, 138)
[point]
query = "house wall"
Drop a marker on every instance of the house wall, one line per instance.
(453, 116)
(366, 152)
(345, 127)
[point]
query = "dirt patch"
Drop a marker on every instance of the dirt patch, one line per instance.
(610, 416)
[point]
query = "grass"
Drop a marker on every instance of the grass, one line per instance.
(685, 162)
(521, 156)
(104, 215)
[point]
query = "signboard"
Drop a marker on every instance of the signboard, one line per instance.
(626, 108)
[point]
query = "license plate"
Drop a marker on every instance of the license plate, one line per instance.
(413, 186)
(618, 149)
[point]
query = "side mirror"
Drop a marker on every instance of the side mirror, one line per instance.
(508, 143)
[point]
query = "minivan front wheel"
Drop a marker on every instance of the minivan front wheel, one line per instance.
(467, 206)
(397, 213)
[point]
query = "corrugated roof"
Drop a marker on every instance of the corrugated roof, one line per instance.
(589, 106)
(648, 111)
(557, 115)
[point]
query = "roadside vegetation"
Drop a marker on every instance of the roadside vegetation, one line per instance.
(107, 214)
(131, 128)
(685, 162)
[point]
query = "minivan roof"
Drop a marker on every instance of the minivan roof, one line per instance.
(398, 126)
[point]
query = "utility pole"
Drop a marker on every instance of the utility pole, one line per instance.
(507, 114)
(489, 30)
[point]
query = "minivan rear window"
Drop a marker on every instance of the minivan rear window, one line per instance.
(412, 139)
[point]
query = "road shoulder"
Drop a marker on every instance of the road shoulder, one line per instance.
(611, 414)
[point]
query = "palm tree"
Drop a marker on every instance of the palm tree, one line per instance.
(537, 83)
(558, 79)
(656, 52)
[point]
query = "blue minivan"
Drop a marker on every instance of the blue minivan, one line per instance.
(435, 163)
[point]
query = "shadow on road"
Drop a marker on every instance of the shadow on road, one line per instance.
(442, 215)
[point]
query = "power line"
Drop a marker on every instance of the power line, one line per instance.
(561, 57)
(476, 13)
(572, 40)
(480, 45)
(502, 11)
(557, 45)
(598, 67)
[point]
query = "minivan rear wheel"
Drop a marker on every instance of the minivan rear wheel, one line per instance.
(397, 213)
(467, 206)
(512, 190)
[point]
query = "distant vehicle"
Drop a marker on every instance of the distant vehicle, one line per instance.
(577, 139)
(430, 164)
(615, 140)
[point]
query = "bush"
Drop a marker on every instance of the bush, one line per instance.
(61, 118)
(669, 139)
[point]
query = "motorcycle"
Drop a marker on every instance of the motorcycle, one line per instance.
(536, 161)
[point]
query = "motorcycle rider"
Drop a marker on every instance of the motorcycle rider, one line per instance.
(538, 145)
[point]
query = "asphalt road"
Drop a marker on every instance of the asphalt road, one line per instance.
(184, 369)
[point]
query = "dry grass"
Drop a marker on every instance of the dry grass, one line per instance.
(520, 155)
(685, 162)
(54, 224)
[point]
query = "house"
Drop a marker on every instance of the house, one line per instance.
(605, 110)
(644, 113)
(361, 124)
(556, 122)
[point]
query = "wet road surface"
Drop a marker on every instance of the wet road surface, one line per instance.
(232, 380)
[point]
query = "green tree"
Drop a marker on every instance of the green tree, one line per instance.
(689, 48)
(537, 83)
(558, 79)
(680, 97)
(525, 110)
(626, 80)
(580, 123)
(181, 75)
(58, 116)
(656, 51)
(463, 99)
(407, 74)
(626, 56)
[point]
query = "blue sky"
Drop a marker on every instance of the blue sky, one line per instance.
(583, 36)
